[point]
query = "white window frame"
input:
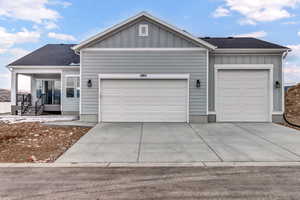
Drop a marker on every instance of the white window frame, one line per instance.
(145, 77)
(141, 27)
(75, 88)
(268, 67)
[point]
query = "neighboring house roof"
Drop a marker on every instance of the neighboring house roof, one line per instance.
(241, 43)
(140, 15)
(50, 55)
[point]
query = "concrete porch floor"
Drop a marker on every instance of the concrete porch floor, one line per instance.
(185, 143)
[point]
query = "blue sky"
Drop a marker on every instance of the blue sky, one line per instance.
(26, 25)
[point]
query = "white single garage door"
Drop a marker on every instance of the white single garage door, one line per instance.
(143, 100)
(243, 95)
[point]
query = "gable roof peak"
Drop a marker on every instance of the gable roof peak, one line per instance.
(139, 15)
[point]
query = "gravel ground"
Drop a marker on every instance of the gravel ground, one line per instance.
(33, 142)
(150, 183)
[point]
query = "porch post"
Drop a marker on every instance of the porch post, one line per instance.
(14, 88)
(33, 89)
(13, 92)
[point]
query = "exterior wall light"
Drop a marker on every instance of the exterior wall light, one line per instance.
(89, 83)
(198, 83)
(277, 84)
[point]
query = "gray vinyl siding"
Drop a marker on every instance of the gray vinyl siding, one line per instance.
(159, 37)
(164, 62)
(68, 104)
(276, 60)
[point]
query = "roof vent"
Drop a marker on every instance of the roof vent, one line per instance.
(207, 37)
(230, 37)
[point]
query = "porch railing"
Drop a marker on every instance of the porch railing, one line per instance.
(24, 101)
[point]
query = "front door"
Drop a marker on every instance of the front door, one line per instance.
(51, 90)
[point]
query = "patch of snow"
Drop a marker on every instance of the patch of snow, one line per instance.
(45, 118)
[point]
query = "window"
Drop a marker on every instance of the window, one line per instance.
(72, 87)
(143, 30)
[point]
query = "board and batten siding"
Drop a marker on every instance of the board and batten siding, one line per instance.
(276, 60)
(140, 62)
(69, 105)
(159, 37)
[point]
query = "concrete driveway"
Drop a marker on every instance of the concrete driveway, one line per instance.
(185, 143)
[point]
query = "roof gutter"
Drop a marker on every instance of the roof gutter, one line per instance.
(250, 50)
(286, 53)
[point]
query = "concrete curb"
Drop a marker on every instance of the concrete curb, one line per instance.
(112, 165)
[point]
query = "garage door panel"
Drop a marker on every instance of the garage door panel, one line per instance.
(144, 100)
(242, 95)
(151, 117)
(149, 93)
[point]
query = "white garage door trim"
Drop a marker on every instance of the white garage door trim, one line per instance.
(268, 67)
(145, 77)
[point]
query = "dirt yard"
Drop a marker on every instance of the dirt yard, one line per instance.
(292, 106)
(34, 142)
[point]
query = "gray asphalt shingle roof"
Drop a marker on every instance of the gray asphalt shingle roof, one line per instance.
(63, 55)
(241, 43)
(50, 55)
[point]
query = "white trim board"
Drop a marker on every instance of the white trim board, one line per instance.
(143, 77)
(44, 67)
(207, 82)
(72, 75)
(147, 15)
(249, 50)
(144, 49)
(268, 67)
(38, 71)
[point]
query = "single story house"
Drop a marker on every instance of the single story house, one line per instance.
(146, 70)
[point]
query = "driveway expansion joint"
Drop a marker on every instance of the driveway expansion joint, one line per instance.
(140, 143)
(205, 142)
(265, 139)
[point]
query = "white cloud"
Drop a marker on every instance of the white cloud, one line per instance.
(247, 22)
(261, 10)
(291, 74)
(9, 39)
(36, 11)
(292, 65)
(60, 36)
(290, 22)
(64, 4)
(17, 52)
(221, 12)
(258, 34)
(33, 10)
(299, 33)
(295, 54)
(50, 25)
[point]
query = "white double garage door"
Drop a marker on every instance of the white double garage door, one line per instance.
(240, 95)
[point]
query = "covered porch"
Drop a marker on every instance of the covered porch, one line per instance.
(44, 95)
(53, 90)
